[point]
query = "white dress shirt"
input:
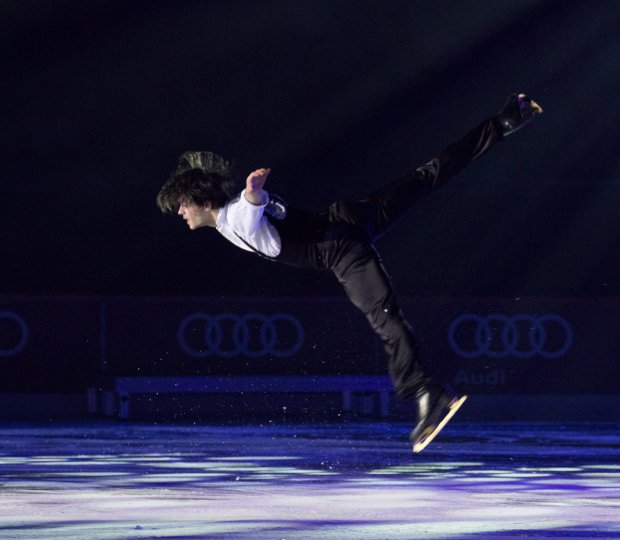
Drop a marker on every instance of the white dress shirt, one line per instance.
(240, 218)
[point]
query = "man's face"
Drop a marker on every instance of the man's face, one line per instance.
(196, 216)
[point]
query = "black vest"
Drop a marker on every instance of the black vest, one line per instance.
(300, 234)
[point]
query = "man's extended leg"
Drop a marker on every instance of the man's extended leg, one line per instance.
(383, 208)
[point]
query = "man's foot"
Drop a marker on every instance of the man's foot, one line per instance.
(435, 408)
(518, 110)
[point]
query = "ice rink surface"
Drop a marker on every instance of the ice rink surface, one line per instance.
(330, 481)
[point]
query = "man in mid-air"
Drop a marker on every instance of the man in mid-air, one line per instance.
(342, 239)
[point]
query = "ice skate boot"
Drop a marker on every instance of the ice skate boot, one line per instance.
(436, 406)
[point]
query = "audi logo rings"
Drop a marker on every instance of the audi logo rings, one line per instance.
(17, 334)
(522, 336)
(252, 335)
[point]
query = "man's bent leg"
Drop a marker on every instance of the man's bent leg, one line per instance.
(368, 287)
(364, 279)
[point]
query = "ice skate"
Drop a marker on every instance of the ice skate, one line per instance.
(518, 110)
(436, 406)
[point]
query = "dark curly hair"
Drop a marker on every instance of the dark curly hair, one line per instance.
(200, 178)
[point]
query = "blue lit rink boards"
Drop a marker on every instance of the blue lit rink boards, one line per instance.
(334, 481)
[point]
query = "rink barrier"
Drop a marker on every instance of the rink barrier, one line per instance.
(125, 387)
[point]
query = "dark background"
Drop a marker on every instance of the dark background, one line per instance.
(99, 98)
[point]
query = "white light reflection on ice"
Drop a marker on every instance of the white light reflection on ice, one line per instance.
(317, 486)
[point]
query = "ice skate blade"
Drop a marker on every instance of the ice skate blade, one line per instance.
(418, 447)
(536, 107)
(533, 104)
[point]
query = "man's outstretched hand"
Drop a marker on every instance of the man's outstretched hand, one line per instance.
(254, 185)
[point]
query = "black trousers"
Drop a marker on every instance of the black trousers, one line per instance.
(347, 249)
